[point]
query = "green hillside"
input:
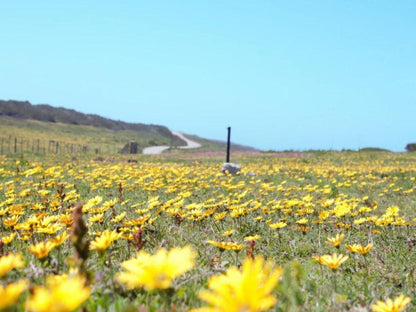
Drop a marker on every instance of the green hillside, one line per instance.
(45, 129)
(41, 136)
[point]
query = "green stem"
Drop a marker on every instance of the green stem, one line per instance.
(366, 264)
(236, 258)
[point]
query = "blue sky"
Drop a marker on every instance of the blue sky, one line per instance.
(283, 74)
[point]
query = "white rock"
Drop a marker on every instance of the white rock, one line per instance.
(231, 168)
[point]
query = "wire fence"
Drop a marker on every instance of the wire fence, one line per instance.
(16, 145)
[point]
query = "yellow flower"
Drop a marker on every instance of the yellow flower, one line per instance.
(304, 229)
(24, 193)
(10, 221)
(59, 239)
(333, 262)
(10, 262)
(8, 239)
(118, 218)
(220, 215)
(97, 218)
(42, 249)
(250, 238)
(103, 241)
(25, 236)
(110, 203)
(360, 249)
(11, 292)
(92, 202)
(66, 219)
(61, 294)
(226, 245)
(246, 290)
(228, 232)
(302, 221)
(277, 225)
(335, 241)
(43, 193)
(48, 229)
(3, 210)
(158, 270)
(399, 304)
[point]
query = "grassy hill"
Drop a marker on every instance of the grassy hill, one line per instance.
(43, 128)
(36, 133)
(42, 112)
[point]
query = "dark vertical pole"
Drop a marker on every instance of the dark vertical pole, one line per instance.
(228, 145)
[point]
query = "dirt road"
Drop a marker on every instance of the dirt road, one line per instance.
(154, 150)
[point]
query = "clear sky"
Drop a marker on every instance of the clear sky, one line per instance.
(300, 75)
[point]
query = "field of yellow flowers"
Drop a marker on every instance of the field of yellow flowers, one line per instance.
(329, 231)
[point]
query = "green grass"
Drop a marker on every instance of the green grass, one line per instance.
(108, 141)
(285, 188)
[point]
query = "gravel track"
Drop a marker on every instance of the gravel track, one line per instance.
(154, 150)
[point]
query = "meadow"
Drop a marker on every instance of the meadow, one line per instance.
(323, 231)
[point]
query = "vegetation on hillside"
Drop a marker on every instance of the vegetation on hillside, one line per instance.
(43, 112)
(34, 132)
(373, 149)
(31, 124)
(411, 147)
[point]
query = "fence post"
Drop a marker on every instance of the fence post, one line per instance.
(228, 145)
(133, 147)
